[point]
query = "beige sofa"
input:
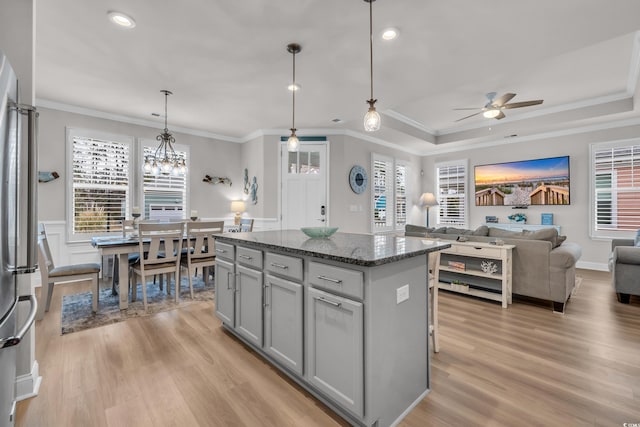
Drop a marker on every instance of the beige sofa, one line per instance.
(544, 265)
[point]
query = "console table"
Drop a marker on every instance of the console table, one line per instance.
(461, 270)
(519, 227)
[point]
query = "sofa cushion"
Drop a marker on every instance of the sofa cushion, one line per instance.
(499, 232)
(458, 231)
(441, 230)
(416, 230)
(548, 234)
(483, 230)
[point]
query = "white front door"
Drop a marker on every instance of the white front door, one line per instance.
(304, 186)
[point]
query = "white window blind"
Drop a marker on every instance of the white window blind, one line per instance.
(616, 189)
(166, 193)
(451, 184)
(382, 193)
(401, 195)
(100, 187)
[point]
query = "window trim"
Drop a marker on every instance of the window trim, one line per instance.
(72, 133)
(390, 193)
(458, 162)
(595, 234)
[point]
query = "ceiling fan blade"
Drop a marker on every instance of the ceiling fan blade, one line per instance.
(474, 114)
(523, 104)
(470, 108)
(500, 116)
(503, 99)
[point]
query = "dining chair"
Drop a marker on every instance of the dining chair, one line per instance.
(434, 278)
(160, 247)
(200, 249)
(246, 225)
(50, 274)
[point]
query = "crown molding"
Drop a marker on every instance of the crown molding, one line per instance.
(410, 122)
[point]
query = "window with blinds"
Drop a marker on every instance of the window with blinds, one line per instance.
(165, 196)
(616, 189)
(451, 186)
(382, 193)
(401, 195)
(390, 194)
(100, 188)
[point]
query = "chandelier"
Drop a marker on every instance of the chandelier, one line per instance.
(165, 160)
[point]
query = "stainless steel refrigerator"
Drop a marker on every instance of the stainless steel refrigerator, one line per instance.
(18, 227)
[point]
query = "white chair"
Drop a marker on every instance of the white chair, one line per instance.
(50, 274)
(434, 273)
(246, 225)
(160, 246)
(200, 249)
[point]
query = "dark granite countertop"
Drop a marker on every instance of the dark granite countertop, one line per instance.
(358, 249)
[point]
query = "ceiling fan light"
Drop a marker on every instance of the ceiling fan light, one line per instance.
(372, 120)
(122, 19)
(492, 113)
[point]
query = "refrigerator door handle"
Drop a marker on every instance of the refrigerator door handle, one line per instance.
(15, 340)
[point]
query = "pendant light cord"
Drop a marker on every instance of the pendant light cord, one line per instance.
(371, 43)
(293, 120)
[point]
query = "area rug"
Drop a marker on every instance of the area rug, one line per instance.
(77, 315)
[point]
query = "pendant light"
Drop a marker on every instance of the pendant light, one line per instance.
(165, 160)
(293, 144)
(371, 118)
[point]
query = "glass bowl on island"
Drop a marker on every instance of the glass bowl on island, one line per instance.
(319, 232)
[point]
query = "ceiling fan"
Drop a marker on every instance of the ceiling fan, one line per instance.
(493, 108)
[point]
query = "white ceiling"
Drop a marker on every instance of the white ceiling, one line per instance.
(227, 65)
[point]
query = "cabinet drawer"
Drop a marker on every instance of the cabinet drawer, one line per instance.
(225, 251)
(336, 279)
(476, 251)
(249, 257)
(283, 265)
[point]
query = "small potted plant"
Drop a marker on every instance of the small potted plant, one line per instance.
(519, 218)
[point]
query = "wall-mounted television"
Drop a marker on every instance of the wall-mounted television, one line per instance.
(523, 183)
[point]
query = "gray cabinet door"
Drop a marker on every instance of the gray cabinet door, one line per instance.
(283, 322)
(335, 350)
(249, 304)
(225, 292)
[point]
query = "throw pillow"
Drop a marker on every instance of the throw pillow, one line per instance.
(561, 239)
(483, 230)
(499, 232)
(548, 234)
(458, 231)
(441, 230)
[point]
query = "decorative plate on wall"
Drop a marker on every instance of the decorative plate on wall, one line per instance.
(358, 179)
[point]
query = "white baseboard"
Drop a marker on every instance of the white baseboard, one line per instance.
(28, 385)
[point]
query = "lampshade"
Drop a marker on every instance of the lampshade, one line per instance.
(428, 199)
(237, 206)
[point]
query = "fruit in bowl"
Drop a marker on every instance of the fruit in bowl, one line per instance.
(321, 232)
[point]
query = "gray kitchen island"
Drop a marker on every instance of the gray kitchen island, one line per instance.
(345, 317)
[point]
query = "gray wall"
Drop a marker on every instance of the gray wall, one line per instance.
(207, 156)
(574, 219)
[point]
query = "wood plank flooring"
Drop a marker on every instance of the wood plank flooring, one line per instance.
(521, 366)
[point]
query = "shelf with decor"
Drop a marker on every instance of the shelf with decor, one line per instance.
(479, 269)
(518, 226)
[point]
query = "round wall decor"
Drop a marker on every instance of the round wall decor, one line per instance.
(358, 179)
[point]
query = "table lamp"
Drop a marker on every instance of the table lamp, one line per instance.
(427, 200)
(237, 206)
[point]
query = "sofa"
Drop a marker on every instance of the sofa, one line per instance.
(543, 263)
(624, 265)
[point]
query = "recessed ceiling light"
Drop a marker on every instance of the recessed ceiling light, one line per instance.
(122, 19)
(390, 33)
(296, 87)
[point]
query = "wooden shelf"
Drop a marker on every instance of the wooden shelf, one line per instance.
(472, 272)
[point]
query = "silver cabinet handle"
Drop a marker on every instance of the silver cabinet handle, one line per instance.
(337, 304)
(284, 267)
(329, 279)
(228, 280)
(245, 257)
(266, 294)
(15, 340)
(221, 251)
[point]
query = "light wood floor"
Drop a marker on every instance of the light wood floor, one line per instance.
(520, 366)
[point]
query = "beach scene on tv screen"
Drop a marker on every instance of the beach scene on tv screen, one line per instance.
(523, 183)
